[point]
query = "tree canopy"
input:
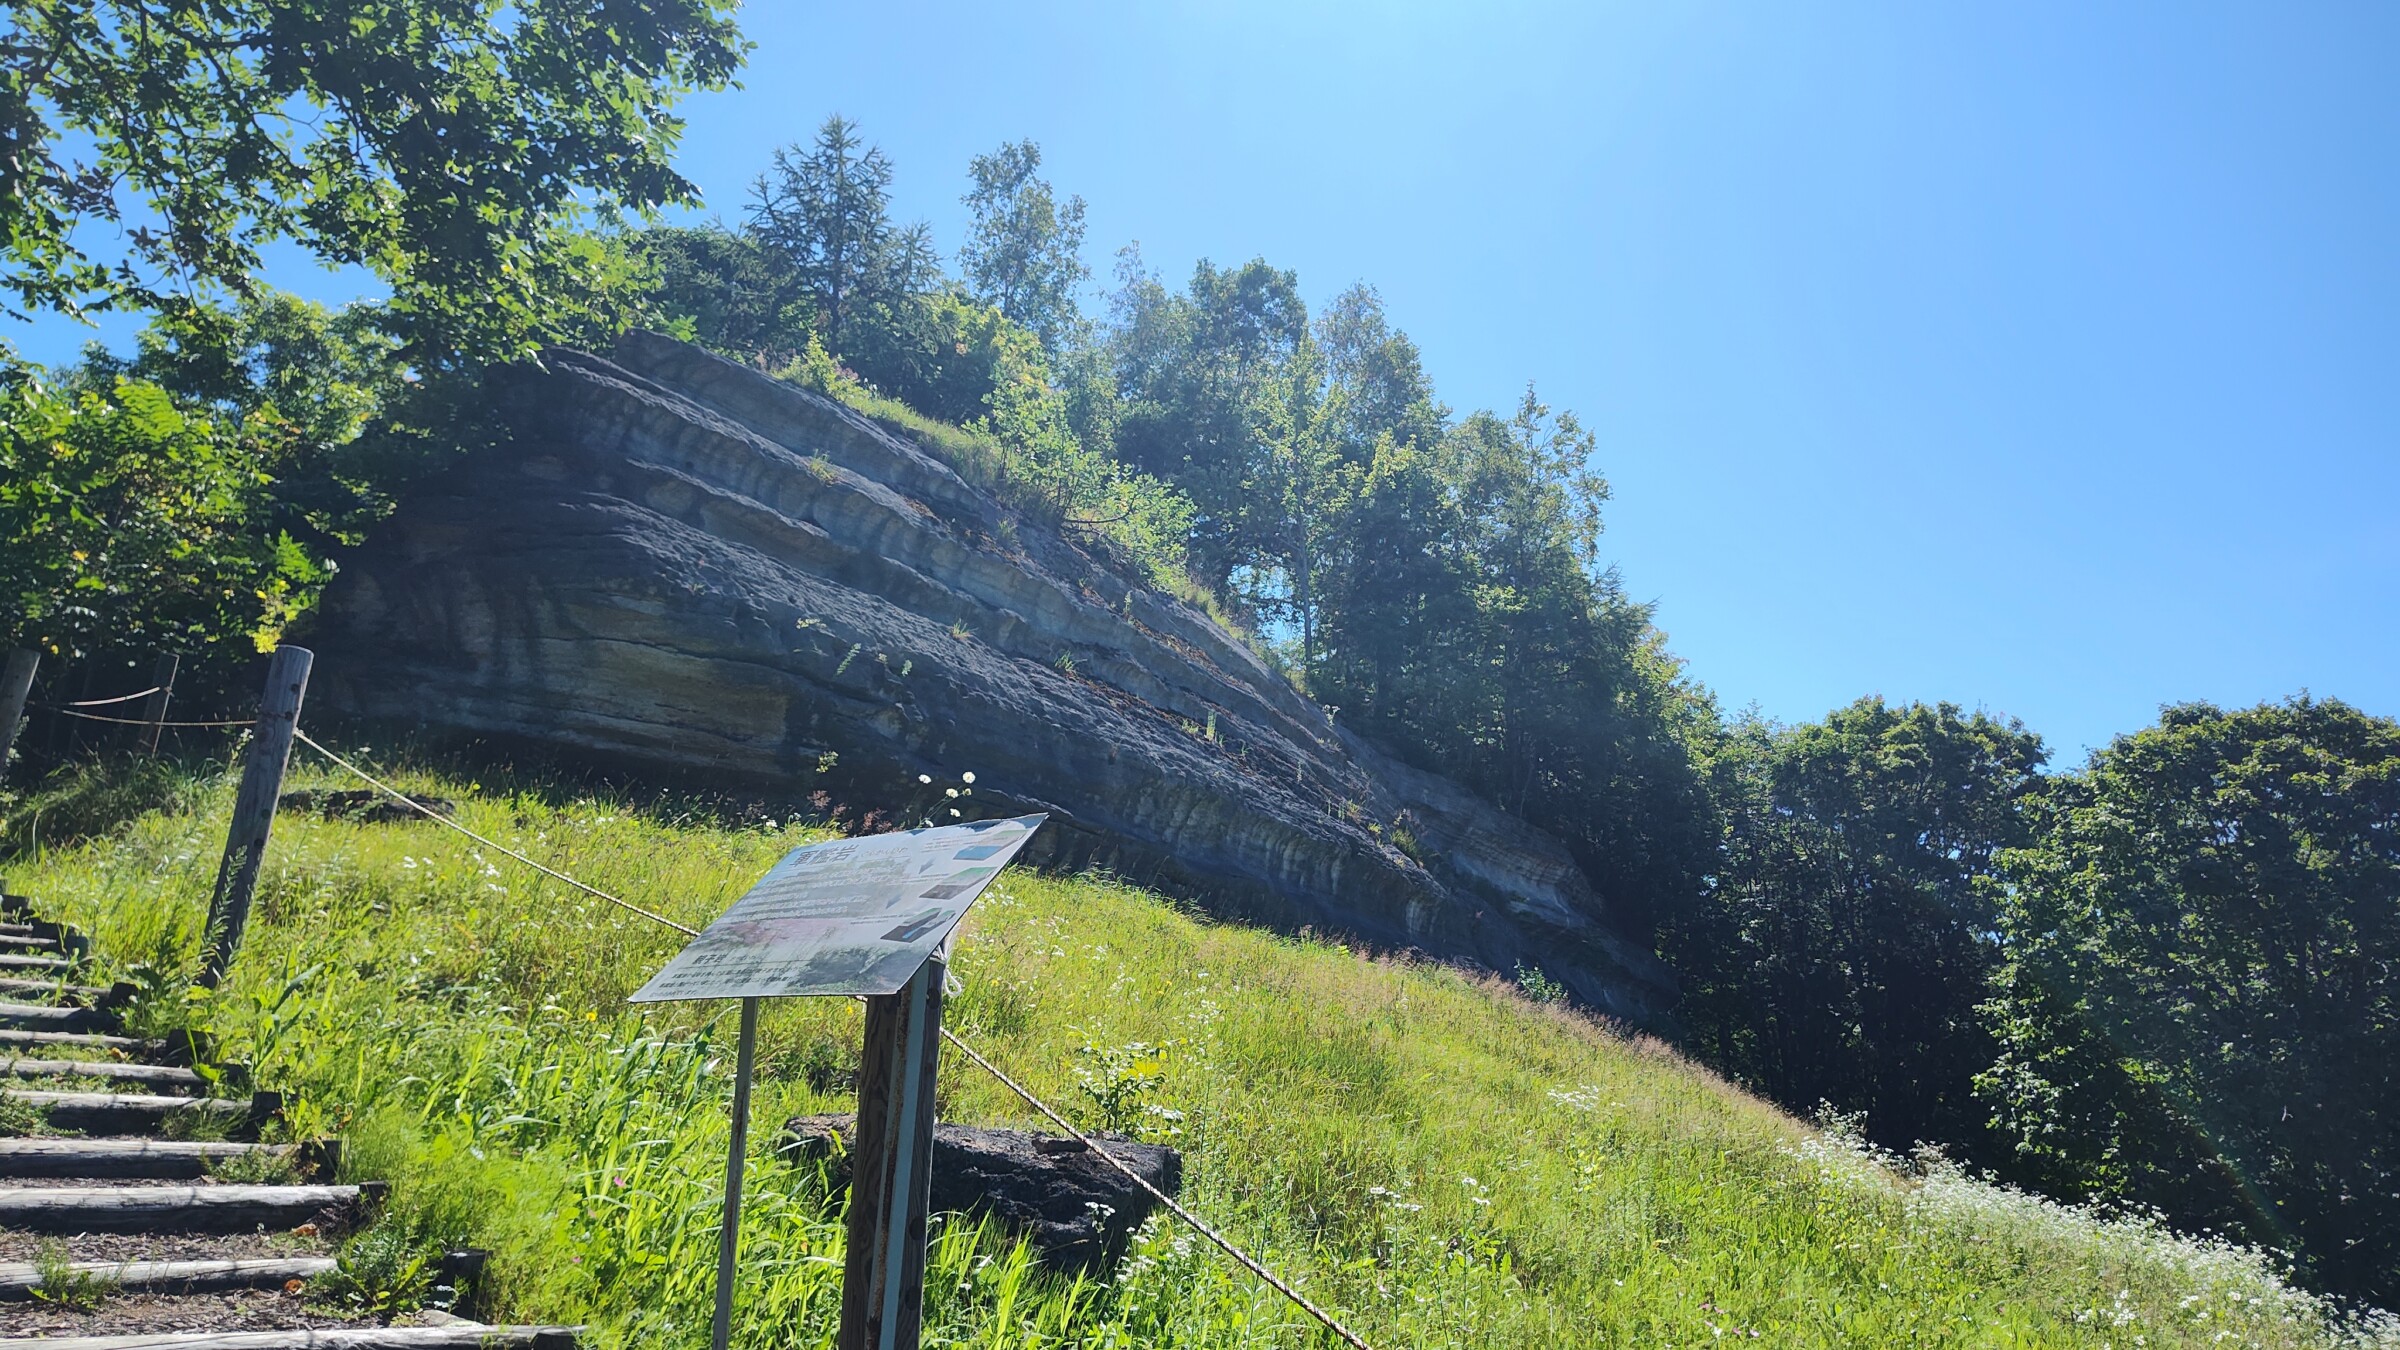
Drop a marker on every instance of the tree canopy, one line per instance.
(1845, 945)
(1024, 249)
(449, 149)
(2202, 1004)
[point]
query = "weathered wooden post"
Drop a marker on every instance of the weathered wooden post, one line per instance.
(867, 917)
(729, 1226)
(16, 682)
(891, 1168)
(154, 708)
(254, 808)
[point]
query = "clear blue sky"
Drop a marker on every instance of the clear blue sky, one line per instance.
(2044, 358)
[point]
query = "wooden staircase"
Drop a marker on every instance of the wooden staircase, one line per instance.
(132, 1214)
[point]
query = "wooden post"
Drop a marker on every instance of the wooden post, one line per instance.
(729, 1235)
(891, 1168)
(154, 708)
(16, 682)
(254, 808)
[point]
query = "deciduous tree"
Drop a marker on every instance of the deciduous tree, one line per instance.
(450, 149)
(1024, 249)
(2202, 1009)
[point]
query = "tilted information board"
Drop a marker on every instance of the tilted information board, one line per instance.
(848, 916)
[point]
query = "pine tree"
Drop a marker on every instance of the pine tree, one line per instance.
(825, 211)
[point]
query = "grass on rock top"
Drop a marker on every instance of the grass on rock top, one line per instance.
(1441, 1160)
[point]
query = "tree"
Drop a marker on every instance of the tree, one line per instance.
(126, 521)
(723, 289)
(2202, 1007)
(1845, 944)
(448, 149)
(1024, 251)
(1297, 497)
(1467, 624)
(825, 213)
(1196, 372)
(191, 497)
(1381, 373)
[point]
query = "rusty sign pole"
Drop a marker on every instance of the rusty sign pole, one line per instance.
(891, 1168)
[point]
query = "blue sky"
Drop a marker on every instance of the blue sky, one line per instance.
(2042, 358)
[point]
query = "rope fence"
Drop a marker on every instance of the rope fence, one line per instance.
(1198, 1225)
(1249, 1263)
(439, 819)
(70, 710)
(121, 698)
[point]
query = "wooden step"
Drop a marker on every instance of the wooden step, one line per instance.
(16, 1038)
(128, 1112)
(23, 964)
(122, 1159)
(172, 1209)
(151, 1075)
(17, 1281)
(42, 928)
(59, 991)
(26, 942)
(461, 1336)
(50, 1017)
(184, 1048)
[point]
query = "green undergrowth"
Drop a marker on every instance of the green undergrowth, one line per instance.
(1141, 519)
(1439, 1158)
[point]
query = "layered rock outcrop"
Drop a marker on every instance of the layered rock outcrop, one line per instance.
(678, 563)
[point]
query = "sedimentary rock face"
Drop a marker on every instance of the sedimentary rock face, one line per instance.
(684, 566)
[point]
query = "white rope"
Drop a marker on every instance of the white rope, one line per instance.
(68, 711)
(121, 698)
(1331, 1323)
(439, 819)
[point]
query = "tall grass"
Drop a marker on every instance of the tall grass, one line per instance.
(1442, 1160)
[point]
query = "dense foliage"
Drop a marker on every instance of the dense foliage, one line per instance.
(449, 149)
(187, 497)
(2201, 1007)
(1845, 946)
(2166, 980)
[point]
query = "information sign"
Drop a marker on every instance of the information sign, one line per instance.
(849, 916)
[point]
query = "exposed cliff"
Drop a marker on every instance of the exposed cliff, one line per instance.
(682, 564)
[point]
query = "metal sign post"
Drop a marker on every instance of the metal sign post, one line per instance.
(866, 916)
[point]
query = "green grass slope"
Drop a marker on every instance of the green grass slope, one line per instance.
(1445, 1162)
